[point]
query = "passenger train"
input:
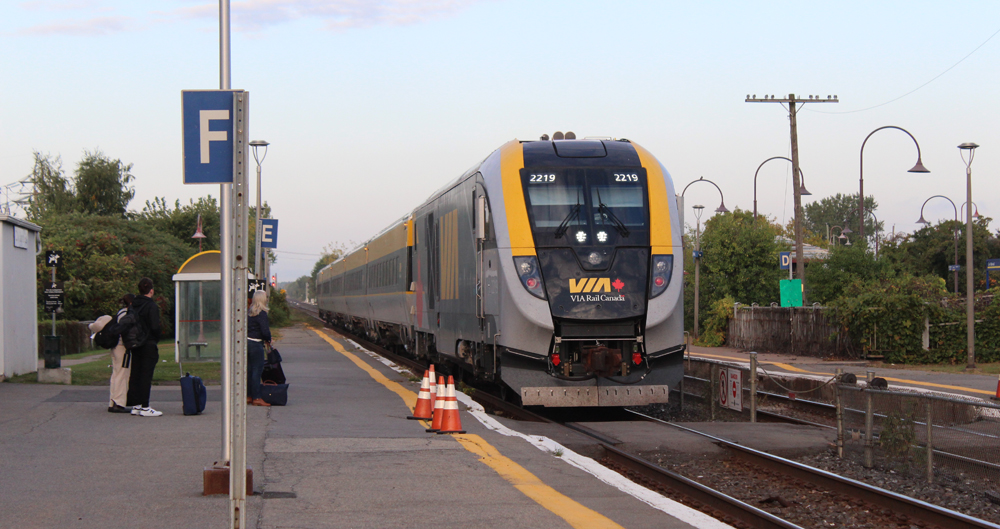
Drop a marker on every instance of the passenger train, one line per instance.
(552, 268)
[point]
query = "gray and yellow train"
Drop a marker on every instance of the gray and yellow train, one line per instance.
(552, 268)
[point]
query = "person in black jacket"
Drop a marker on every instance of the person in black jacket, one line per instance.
(145, 356)
(258, 334)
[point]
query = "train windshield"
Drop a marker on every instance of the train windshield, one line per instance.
(587, 207)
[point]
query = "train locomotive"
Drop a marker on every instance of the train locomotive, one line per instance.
(551, 268)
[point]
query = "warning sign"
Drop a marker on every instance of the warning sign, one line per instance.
(735, 389)
(731, 388)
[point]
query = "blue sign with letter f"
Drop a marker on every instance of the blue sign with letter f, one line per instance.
(209, 136)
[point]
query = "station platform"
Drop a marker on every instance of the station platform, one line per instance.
(341, 454)
(960, 383)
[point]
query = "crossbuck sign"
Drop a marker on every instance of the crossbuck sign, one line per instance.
(209, 135)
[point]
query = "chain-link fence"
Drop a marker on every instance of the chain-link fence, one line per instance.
(900, 430)
(916, 432)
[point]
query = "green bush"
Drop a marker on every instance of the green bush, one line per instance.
(279, 314)
(717, 323)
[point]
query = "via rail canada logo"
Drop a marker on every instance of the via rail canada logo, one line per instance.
(591, 289)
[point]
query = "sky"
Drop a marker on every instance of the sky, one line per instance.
(371, 105)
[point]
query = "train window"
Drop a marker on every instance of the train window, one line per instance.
(587, 206)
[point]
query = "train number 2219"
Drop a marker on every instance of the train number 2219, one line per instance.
(623, 177)
(542, 178)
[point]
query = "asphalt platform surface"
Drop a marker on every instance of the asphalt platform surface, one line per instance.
(341, 454)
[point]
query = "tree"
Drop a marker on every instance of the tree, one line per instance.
(181, 221)
(300, 288)
(104, 257)
(102, 185)
(931, 249)
(739, 261)
(53, 193)
(845, 266)
(839, 210)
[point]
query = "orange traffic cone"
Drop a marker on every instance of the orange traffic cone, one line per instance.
(997, 397)
(433, 387)
(451, 422)
(438, 408)
(424, 406)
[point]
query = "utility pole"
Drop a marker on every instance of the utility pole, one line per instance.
(800, 267)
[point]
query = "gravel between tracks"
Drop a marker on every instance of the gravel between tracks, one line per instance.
(808, 506)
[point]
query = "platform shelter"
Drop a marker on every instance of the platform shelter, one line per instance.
(198, 320)
(19, 244)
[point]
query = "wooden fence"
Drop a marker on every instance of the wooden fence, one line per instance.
(804, 331)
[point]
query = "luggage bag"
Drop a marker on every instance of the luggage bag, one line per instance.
(194, 394)
(274, 394)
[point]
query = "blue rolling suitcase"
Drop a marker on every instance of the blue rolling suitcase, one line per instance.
(194, 394)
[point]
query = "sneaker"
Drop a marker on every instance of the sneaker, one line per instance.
(149, 412)
(136, 409)
(117, 408)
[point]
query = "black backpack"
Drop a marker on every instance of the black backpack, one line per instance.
(133, 330)
(107, 338)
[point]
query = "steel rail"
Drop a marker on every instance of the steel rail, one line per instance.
(915, 509)
(727, 506)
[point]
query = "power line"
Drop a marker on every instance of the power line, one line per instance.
(935, 78)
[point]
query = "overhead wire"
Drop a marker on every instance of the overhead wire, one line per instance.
(915, 89)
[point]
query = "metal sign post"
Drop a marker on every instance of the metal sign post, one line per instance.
(216, 127)
(237, 365)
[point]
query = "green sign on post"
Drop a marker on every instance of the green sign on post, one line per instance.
(791, 292)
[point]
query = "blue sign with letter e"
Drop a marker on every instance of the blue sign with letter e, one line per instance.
(268, 233)
(785, 260)
(209, 136)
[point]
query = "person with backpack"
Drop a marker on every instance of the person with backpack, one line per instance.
(258, 334)
(142, 336)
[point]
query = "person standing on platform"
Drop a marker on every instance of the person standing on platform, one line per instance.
(258, 334)
(146, 355)
(121, 366)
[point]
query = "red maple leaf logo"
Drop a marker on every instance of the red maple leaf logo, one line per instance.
(618, 285)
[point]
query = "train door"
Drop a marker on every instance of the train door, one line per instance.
(487, 281)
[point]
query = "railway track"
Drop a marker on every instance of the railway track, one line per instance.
(889, 509)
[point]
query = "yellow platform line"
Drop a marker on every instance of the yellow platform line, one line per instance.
(575, 514)
(789, 367)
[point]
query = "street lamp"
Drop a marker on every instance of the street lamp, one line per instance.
(842, 238)
(257, 231)
(925, 222)
(975, 212)
(870, 212)
(698, 209)
(918, 168)
(697, 252)
(969, 268)
(802, 184)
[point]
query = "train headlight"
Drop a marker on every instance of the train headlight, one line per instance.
(594, 258)
(581, 236)
(527, 271)
(602, 236)
(663, 268)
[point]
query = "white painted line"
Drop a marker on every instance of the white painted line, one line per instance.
(650, 497)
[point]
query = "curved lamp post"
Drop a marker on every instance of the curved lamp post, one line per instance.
(975, 210)
(257, 259)
(842, 238)
(969, 268)
(722, 203)
(925, 222)
(802, 184)
(918, 168)
(698, 209)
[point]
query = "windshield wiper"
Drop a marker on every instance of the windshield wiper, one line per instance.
(607, 214)
(564, 226)
(573, 213)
